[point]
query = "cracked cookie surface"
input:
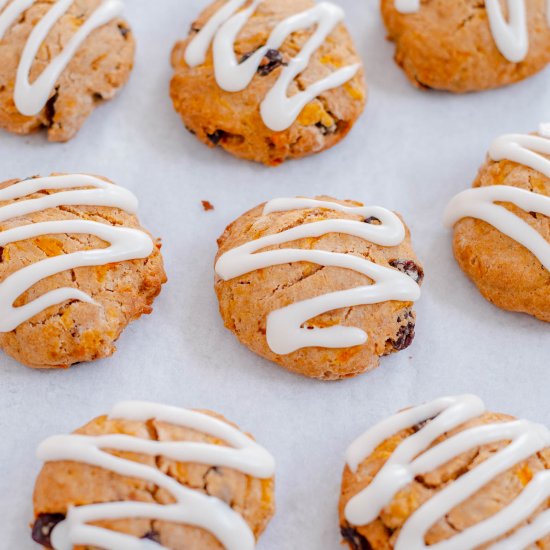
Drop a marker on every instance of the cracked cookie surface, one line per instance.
(101, 66)
(506, 273)
(75, 331)
(246, 301)
(449, 45)
(232, 120)
(61, 485)
(495, 496)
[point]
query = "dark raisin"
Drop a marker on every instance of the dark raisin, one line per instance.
(373, 220)
(534, 214)
(404, 337)
(124, 31)
(152, 535)
(408, 267)
(97, 97)
(216, 137)
(274, 60)
(50, 106)
(355, 539)
(327, 130)
(43, 527)
(271, 60)
(194, 28)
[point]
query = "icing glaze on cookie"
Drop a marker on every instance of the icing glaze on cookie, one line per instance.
(479, 202)
(125, 243)
(511, 36)
(192, 507)
(29, 98)
(285, 333)
(418, 455)
(277, 109)
(407, 6)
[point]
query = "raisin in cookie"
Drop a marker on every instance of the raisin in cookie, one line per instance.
(282, 81)
(58, 61)
(448, 472)
(187, 480)
(502, 225)
(469, 45)
(75, 268)
(321, 287)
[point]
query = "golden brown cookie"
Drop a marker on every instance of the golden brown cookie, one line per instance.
(65, 294)
(334, 297)
(448, 45)
(100, 66)
(507, 273)
(448, 474)
(234, 119)
(216, 502)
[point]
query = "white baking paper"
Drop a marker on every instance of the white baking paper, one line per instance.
(411, 151)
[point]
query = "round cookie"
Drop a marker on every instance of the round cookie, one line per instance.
(65, 294)
(62, 92)
(448, 471)
(464, 46)
(201, 483)
(508, 262)
(240, 103)
(322, 287)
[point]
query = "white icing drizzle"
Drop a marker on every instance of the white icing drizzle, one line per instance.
(524, 149)
(407, 6)
(511, 37)
(480, 202)
(416, 456)
(284, 326)
(125, 243)
(29, 98)
(192, 507)
(277, 109)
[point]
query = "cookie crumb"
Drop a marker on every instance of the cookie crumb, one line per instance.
(207, 205)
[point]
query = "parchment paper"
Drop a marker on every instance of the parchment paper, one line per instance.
(411, 151)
